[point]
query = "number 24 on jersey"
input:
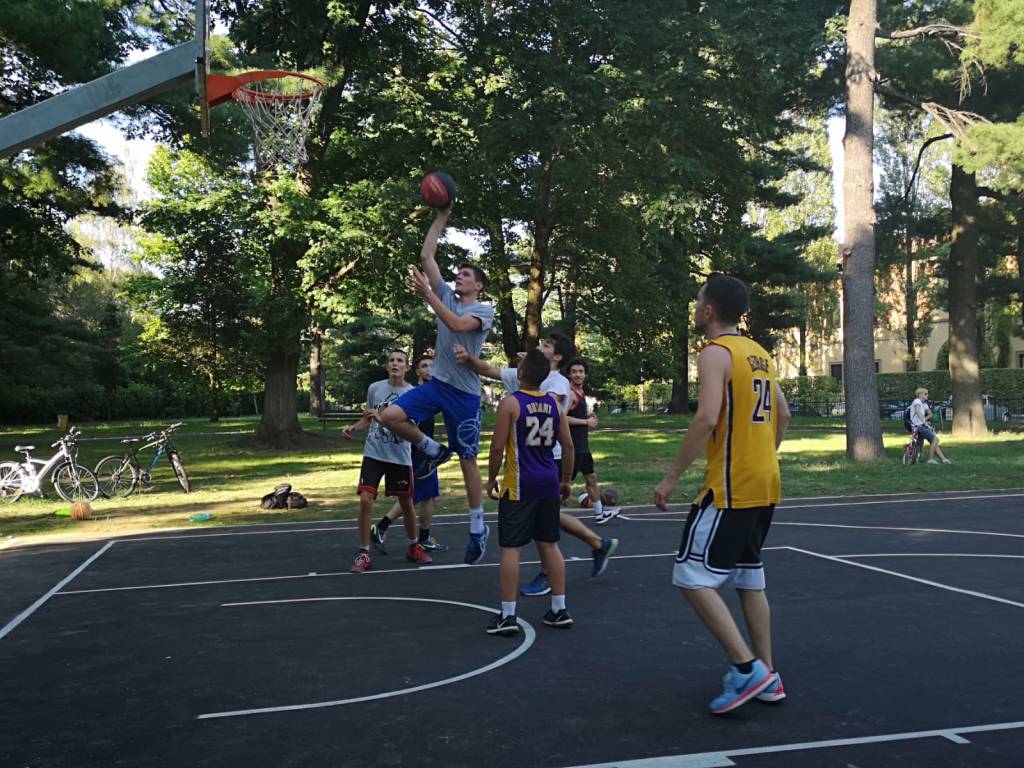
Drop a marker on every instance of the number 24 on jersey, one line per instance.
(762, 401)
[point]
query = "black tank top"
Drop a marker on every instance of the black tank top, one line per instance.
(580, 434)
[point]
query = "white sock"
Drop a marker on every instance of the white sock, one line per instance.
(413, 541)
(598, 508)
(476, 520)
(429, 446)
(508, 609)
(557, 603)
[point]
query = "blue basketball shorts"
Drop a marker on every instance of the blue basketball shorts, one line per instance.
(426, 487)
(461, 412)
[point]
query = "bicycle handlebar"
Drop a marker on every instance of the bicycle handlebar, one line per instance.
(70, 437)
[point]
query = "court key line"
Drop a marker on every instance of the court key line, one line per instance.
(493, 516)
(318, 575)
(934, 554)
(529, 636)
(13, 623)
(896, 528)
(775, 523)
(897, 574)
(721, 759)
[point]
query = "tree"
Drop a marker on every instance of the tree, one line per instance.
(967, 42)
(913, 210)
(863, 427)
(202, 300)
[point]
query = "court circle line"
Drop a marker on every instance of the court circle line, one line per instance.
(530, 635)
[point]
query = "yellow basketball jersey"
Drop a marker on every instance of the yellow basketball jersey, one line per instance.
(743, 468)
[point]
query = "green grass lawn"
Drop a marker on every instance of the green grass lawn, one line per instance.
(230, 476)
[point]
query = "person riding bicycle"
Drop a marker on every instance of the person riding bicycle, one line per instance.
(920, 413)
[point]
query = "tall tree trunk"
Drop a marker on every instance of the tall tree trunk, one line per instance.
(802, 329)
(316, 370)
(964, 367)
(911, 335)
(1020, 261)
(279, 426)
(680, 402)
(214, 393)
(535, 285)
(863, 426)
(503, 290)
(542, 229)
(571, 293)
(420, 342)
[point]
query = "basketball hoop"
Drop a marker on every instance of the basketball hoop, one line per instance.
(280, 106)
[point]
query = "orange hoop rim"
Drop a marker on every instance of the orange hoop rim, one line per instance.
(252, 94)
(221, 88)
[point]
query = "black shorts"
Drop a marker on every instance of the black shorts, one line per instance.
(583, 465)
(520, 522)
(722, 547)
(398, 479)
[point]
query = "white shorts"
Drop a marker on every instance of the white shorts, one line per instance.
(722, 547)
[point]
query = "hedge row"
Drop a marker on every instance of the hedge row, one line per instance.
(1000, 383)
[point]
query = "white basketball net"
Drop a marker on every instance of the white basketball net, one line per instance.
(281, 110)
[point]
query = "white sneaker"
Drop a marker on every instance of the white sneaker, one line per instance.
(933, 461)
(607, 514)
(946, 461)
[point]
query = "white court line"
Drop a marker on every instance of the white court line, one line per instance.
(529, 562)
(721, 759)
(785, 505)
(684, 507)
(317, 575)
(528, 631)
(13, 623)
(899, 501)
(899, 575)
(933, 554)
(894, 528)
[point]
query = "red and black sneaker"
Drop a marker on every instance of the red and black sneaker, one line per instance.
(362, 563)
(417, 554)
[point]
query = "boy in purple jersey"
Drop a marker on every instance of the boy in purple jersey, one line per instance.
(528, 426)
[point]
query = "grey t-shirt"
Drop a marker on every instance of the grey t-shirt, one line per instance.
(445, 367)
(555, 384)
(381, 443)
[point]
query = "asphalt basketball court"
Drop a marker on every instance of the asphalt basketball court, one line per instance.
(898, 626)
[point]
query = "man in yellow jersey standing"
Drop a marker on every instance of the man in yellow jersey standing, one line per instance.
(740, 421)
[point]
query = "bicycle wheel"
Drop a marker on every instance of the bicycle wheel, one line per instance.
(116, 476)
(179, 470)
(76, 483)
(10, 482)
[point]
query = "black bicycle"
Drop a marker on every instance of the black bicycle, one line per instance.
(122, 475)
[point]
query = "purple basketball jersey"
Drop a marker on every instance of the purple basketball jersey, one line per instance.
(530, 469)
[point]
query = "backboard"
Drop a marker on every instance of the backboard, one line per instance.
(98, 98)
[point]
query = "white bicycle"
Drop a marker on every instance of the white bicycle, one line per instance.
(71, 480)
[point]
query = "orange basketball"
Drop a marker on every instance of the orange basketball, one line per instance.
(81, 510)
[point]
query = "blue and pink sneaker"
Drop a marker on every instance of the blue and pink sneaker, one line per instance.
(738, 688)
(774, 692)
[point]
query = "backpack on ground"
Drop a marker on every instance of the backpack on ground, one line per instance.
(278, 498)
(296, 500)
